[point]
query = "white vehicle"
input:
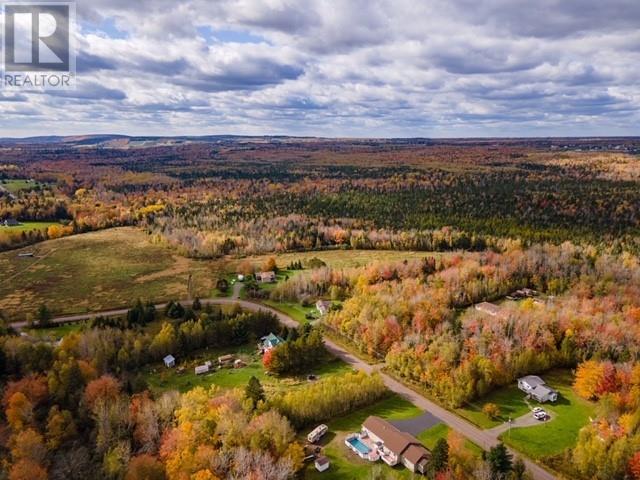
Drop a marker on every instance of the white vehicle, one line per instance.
(541, 415)
(538, 409)
(317, 433)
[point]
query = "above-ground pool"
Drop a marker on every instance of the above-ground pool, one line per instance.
(358, 445)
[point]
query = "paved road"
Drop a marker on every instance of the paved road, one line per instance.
(484, 438)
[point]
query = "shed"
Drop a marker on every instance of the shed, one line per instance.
(322, 463)
(201, 369)
(169, 361)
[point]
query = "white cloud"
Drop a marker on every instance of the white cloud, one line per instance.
(353, 67)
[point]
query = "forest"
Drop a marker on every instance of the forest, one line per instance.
(241, 197)
(491, 218)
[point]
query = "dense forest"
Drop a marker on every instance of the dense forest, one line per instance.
(241, 197)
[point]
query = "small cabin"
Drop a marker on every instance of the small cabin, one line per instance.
(169, 361)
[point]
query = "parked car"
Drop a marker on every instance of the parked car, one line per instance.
(538, 409)
(540, 415)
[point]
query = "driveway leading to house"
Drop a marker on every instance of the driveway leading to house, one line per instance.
(526, 420)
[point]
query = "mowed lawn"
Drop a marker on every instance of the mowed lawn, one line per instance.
(510, 400)
(98, 271)
(294, 310)
(160, 378)
(571, 413)
(430, 437)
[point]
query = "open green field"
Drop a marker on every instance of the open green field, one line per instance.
(14, 186)
(430, 437)
(98, 271)
(510, 400)
(55, 333)
(294, 310)
(571, 413)
(343, 258)
(159, 378)
(113, 268)
(27, 226)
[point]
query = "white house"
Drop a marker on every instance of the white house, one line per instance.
(535, 388)
(169, 361)
(323, 306)
(322, 463)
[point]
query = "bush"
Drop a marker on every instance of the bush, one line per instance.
(491, 410)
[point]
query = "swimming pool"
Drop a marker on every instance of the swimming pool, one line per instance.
(358, 445)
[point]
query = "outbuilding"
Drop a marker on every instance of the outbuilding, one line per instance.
(322, 463)
(169, 361)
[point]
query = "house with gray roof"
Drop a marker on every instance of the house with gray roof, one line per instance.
(536, 388)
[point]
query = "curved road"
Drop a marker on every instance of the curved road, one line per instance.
(484, 438)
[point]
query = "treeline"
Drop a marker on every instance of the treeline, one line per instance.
(330, 397)
(118, 349)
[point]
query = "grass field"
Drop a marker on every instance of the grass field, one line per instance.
(27, 226)
(159, 378)
(55, 333)
(553, 437)
(509, 399)
(342, 258)
(294, 310)
(113, 268)
(97, 271)
(14, 186)
(430, 437)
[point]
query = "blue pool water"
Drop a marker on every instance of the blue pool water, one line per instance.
(358, 445)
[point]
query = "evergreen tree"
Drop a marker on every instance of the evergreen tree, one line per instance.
(254, 391)
(500, 461)
(44, 316)
(439, 457)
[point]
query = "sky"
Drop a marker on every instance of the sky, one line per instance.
(345, 68)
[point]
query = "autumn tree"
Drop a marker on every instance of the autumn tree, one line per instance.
(491, 410)
(145, 467)
(589, 375)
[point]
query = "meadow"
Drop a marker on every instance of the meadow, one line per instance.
(97, 271)
(27, 226)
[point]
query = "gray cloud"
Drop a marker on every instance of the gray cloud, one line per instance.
(353, 67)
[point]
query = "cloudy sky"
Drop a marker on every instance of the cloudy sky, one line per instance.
(432, 68)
